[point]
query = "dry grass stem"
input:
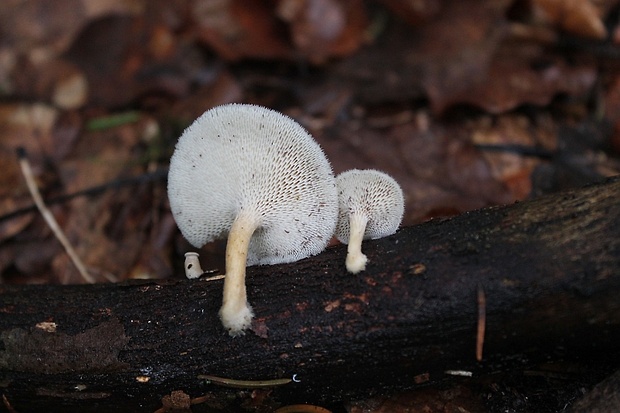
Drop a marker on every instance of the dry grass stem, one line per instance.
(482, 315)
(49, 217)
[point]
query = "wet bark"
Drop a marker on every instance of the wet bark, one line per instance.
(604, 397)
(547, 271)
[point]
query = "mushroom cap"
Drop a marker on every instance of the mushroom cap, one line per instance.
(372, 194)
(240, 157)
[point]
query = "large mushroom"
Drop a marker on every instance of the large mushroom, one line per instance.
(371, 206)
(258, 177)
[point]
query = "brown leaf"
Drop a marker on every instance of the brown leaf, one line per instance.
(36, 30)
(39, 32)
(318, 29)
(142, 56)
(512, 81)
(12, 226)
(456, 49)
(512, 169)
(223, 88)
(154, 260)
(465, 55)
(52, 80)
(33, 257)
(238, 29)
(439, 59)
(579, 17)
(103, 52)
(415, 12)
(324, 28)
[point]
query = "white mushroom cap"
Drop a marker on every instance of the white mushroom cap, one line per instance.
(245, 157)
(371, 206)
(257, 176)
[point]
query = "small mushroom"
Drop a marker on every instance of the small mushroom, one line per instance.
(258, 177)
(192, 265)
(371, 206)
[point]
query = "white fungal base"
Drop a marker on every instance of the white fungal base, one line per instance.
(356, 260)
(192, 265)
(236, 318)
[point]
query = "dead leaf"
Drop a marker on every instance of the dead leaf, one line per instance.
(512, 81)
(52, 80)
(13, 226)
(415, 12)
(456, 49)
(33, 256)
(324, 28)
(154, 260)
(37, 31)
(236, 29)
(579, 17)
(223, 88)
(438, 59)
(509, 167)
(317, 29)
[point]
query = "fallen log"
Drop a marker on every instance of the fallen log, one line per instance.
(604, 397)
(484, 291)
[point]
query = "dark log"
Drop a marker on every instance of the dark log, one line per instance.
(605, 397)
(548, 270)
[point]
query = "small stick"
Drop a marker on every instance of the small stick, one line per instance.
(49, 217)
(215, 277)
(463, 373)
(7, 404)
(302, 408)
(243, 384)
(481, 323)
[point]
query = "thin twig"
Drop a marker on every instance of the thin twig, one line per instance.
(215, 277)
(7, 404)
(49, 217)
(302, 408)
(157, 175)
(482, 316)
(523, 150)
(244, 384)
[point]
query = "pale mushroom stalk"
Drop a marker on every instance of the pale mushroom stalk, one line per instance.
(236, 313)
(356, 259)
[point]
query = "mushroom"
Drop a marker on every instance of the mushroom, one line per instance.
(258, 177)
(371, 206)
(192, 265)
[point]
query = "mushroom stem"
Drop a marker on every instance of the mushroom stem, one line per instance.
(356, 260)
(236, 314)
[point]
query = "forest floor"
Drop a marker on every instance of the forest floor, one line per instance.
(466, 103)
